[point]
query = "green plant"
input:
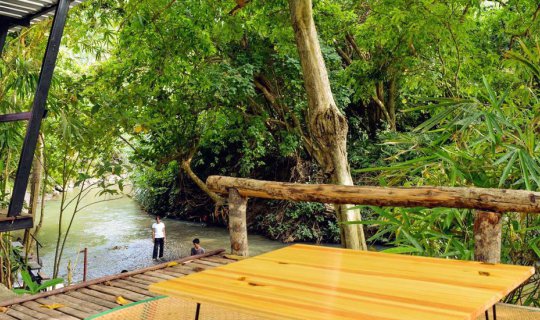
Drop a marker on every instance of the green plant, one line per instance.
(32, 287)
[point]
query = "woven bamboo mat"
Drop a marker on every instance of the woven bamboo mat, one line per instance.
(511, 312)
(164, 308)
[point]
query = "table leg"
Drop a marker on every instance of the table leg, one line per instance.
(487, 314)
(197, 311)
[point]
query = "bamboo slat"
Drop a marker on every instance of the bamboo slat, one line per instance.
(4, 316)
(89, 304)
(128, 282)
(104, 279)
(172, 273)
(140, 281)
(159, 275)
(133, 289)
(101, 302)
(119, 292)
(148, 278)
(310, 282)
(74, 305)
(103, 296)
(30, 312)
(67, 310)
(19, 315)
(54, 314)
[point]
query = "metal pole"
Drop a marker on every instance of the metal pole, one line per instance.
(3, 36)
(85, 264)
(38, 108)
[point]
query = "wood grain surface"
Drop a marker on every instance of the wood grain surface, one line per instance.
(312, 282)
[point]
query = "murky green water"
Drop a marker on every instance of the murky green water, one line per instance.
(118, 236)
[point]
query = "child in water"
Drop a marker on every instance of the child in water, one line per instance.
(197, 249)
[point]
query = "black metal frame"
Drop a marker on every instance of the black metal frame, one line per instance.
(3, 35)
(15, 220)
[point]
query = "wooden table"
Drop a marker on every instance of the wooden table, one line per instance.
(312, 282)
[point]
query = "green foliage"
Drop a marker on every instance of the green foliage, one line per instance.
(153, 189)
(430, 232)
(32, 287)
(303, 222)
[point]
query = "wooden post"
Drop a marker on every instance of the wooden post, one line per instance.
(487, 236)
(237, 223)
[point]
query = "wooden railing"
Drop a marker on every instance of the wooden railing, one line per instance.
(488, 203)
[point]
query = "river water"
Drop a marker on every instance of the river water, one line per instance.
(118, 236)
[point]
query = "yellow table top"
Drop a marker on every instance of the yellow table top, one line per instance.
(312, 282)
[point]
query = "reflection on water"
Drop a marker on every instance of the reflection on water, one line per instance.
(118, 236)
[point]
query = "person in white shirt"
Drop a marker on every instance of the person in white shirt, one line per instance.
(158, 236)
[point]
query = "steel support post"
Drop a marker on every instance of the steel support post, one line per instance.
(38, 108)
(3, 36)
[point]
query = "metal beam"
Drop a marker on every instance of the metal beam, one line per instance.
(15, 116)
(38, 109)
(16, 223)
(3, 35)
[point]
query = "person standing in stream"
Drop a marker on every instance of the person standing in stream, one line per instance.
(158, 236)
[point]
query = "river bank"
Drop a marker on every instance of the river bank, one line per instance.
(118, 237)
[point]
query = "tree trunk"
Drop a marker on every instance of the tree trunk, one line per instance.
(41, 155)
(237, 223)
(326, 124)
(6, 174)
(494, 200)
(186, 166)
(487, 236)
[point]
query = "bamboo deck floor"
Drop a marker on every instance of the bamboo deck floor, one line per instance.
(100, 295)
(84, 300)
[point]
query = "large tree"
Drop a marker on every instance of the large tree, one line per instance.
(326, 124)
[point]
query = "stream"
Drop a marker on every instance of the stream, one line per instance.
(118, 236)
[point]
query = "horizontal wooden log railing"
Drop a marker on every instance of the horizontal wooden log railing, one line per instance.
(495, 200)
(488, 203)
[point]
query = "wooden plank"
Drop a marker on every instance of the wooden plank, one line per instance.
(127, 282)
(209, 263)
(30, 312)
(104, 279)
(182, 269)
(86, 303)
(496, 200)
(98, 301)
(19, 315)
(218, 259)
(4, 316)
(148, 278)
(67, 310)
(75, 305)
(172, 273)
(296, 283)
(101, 295)
(133, 288)
(119, 292)
(198, 267)
(159, 275)
(139, 281)
(54, 314)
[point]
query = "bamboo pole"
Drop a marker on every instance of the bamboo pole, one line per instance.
(494, 200)
(487, 236)
(237, 223)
